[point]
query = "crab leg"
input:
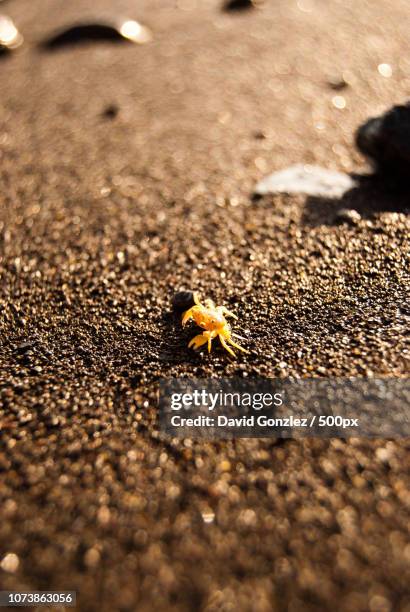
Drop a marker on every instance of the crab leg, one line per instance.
(211, 336)
(236, 345)
(223, 310)
(223, 342)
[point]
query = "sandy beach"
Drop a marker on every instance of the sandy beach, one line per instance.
(127, 173)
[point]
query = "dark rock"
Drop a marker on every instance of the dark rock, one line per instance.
(386, 141)
(115, 30)
(241, 5)
(183, 300)
(111, 111)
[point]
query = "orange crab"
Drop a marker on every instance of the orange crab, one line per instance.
(212, 319)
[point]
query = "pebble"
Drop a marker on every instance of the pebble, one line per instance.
(385, 70)
(109, 29)
(10, 37)
(103, 515)
(383, 454)
(242, 5)
(386, 141)
(92, 557)
(24, 347)
(182, 300)
(111, 111)
(339, 102)
(309, 180)
(238, 5)
(208, 516)
(224, 466)
(337, 83)
(247, 518)
(10, 563)
(348, 215)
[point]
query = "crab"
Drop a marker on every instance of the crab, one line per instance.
(212, 319)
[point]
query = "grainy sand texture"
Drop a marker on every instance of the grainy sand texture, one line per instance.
(127, 173)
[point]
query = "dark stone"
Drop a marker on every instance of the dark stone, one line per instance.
(183, 300)
(84, 33)
(111, 111)
(114, 31)
(238, 5)
(386, 141)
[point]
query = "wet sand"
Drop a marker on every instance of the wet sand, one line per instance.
(103, 217)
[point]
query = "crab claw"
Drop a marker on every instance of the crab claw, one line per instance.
(187, 316)
(197, 341)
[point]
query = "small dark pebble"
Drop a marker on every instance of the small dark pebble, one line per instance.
(386, 141)
(259, 135)
(182, 300)
(337, 83)
(241, 5)
(111, 111)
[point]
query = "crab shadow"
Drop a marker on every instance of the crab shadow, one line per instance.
(174, 350)
(372, 194)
